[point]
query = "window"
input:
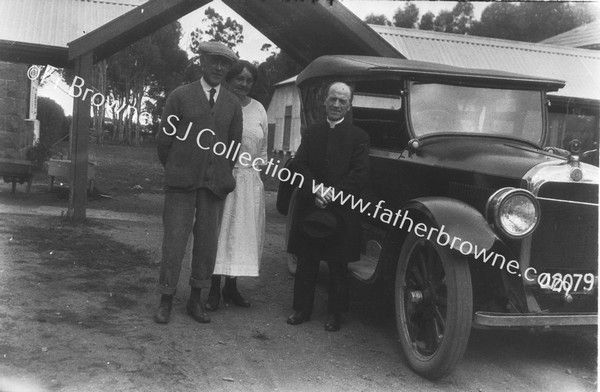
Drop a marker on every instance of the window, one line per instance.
(376, 108)
(578, 123)
(439, 108)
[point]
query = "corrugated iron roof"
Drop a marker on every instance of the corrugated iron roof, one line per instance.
(586, 36)
(61, 21)
(578, 67)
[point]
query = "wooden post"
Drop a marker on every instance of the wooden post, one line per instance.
(79, 139)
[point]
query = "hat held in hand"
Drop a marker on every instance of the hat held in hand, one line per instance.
(214, 48)
(321, 224)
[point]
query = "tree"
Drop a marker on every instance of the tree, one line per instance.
(406, 17)
(100, 83)
(426, 22)
(169, 73)
(531, 21)
(377, 19)
(228, 32)
(499, 20)
(462, 17)
(443, 22)
(276, 68)
(53, 123)
(150, 67)
(458, 20)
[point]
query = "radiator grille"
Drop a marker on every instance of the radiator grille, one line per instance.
(567, 236)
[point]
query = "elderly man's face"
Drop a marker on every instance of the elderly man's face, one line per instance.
(215, 68)
(338, 101)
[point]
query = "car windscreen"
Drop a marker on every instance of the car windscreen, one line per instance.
(441, 108)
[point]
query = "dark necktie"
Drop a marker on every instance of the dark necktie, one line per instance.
(211, 100)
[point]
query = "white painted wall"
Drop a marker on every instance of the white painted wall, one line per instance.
(285, 95)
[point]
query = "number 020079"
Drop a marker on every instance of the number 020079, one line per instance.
(567, 283)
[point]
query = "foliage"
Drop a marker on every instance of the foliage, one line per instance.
(38, 154)
(150, 68)
(406, 17)
(276, 68)
(426, 22)
(169, 73)
(531, 21)
(53, 123)
(228, 32)
(521, 21)
(54, 127)
(377, 20)
(443, 22)
(458, 20)
(462, 17)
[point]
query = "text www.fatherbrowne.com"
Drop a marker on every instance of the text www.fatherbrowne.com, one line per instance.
(401, 218)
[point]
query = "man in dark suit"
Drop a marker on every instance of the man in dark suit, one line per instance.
(334, 153)
(195, 118)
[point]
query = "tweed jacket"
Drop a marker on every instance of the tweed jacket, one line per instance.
(190, 162)
(339, 158)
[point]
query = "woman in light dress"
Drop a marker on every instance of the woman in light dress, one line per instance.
(243, 225)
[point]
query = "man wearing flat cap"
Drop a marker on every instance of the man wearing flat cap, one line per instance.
(195, 117)
(334, 153)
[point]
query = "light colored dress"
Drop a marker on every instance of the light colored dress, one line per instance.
(243, 225)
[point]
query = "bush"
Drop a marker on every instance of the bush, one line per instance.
(53, 123)
(39, 154)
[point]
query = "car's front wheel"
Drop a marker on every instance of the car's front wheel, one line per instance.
(434, 306)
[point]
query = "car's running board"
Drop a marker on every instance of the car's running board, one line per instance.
(364, 269)
(491, 319)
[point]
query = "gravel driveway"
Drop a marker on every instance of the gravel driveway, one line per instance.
(76, 306)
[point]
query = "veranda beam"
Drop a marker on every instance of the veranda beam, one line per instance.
(128, 28)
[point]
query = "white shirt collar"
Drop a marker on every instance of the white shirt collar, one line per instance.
(332, 124)
(206, 87)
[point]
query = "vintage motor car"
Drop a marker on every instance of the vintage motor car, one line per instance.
(459, 151)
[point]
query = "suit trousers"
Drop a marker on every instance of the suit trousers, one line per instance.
(200, 210)
(307, 271)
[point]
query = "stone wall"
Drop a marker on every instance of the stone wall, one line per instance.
(15, 135)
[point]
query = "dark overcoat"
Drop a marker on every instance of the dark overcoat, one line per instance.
(337, 157)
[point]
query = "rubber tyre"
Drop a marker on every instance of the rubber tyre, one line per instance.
(434, 330)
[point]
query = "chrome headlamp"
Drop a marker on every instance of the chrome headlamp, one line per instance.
(515, 212)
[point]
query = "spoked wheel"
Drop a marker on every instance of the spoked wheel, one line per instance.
(434, 306)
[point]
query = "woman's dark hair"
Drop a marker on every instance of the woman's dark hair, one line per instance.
(237, 69)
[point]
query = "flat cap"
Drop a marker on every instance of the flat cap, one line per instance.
(215, 48)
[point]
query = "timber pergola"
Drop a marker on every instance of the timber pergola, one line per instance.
(304, 30)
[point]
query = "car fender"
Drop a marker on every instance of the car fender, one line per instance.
(458, 219)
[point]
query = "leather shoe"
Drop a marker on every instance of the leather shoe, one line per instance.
(297, 318)
(196, 310)
(332, 324)
(212, 303)
(163, 313)
(235, 297)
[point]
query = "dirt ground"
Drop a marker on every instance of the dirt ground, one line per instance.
(76, 306)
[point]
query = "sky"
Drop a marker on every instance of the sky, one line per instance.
(253, 39)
